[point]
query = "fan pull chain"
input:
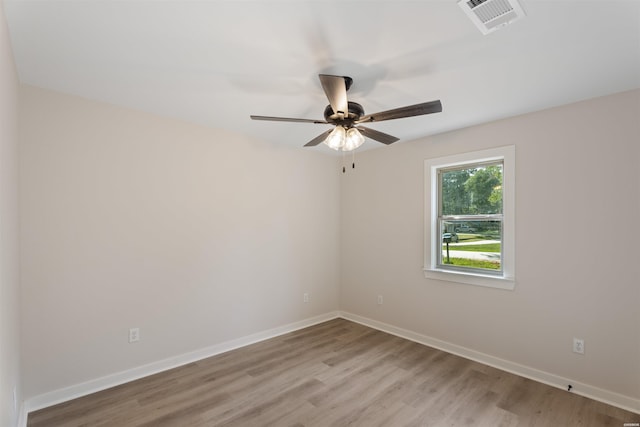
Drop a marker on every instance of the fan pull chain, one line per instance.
(353, 161)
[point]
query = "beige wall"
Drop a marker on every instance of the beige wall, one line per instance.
(577, 213)
(194, 235)
(10, 379)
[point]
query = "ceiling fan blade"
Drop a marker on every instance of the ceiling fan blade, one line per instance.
(336, 90)
(399, 113)
(286, 119)
(377, 135)
(318, 139)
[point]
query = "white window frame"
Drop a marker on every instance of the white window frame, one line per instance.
(433, 240)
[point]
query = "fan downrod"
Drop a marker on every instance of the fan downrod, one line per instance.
(348, 81)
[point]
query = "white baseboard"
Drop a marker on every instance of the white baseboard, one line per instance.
(78, 390)
(595, 393)
(22, 416)
(83, 389)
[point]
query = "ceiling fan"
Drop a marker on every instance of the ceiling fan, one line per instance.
(347, 117)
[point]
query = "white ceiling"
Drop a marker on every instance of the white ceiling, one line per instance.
(216, 62)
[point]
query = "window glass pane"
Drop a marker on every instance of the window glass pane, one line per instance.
(472, 244)
(473, 190)
(470, 222)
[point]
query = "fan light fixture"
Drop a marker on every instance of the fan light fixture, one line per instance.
(341, 139)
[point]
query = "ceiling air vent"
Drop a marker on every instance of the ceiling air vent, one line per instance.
(490, 15)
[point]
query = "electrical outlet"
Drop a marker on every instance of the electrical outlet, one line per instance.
(134, 335)
(578, 345)
(380, 300)
(305, 297)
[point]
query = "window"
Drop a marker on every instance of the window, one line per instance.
(469, 218)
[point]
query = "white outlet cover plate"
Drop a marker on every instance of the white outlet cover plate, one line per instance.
(134, 335)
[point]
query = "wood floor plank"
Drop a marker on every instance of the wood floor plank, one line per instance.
(337, 373)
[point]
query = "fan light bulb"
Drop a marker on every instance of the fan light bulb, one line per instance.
(354, 140)
(336, 138)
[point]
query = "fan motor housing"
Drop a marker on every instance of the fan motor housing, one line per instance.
(355, 112)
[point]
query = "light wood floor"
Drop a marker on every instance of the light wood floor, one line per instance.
(337, 373)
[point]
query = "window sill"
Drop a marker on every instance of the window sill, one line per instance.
(471, 279)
